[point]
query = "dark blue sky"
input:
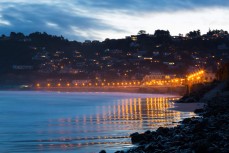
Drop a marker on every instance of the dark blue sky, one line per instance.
(100, 19)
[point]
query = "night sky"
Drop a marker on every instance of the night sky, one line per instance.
(100, 19)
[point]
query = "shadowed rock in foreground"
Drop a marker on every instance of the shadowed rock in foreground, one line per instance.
(206, 134)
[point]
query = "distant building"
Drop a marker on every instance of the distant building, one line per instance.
(134, 37)
(80, 82)
(169, 63)
(158, 76)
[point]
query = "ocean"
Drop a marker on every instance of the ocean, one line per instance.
(80, 122)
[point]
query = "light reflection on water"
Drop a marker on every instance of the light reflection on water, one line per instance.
(78, 125)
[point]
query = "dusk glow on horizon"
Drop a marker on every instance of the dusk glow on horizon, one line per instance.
(97, 20)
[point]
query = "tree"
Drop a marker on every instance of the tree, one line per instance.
(17, 36)
(162, 33)
(142, 32)
(193, 34)
(3, 36)
(217, 32)
(13, 35)
(162, 36)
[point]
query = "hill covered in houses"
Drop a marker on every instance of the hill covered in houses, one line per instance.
(40, 56)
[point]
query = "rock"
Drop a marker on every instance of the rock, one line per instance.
(119, 152)
(197, 111)
(147, 132)
(186, 120)
(213, 150)
(178, 137)
(201, 146)
(187, 129)
(162, 131)
(150, 147)
(137, 138)
(185, 151)
(134, 134)
(214, 137)
(102, 151)
(177, 143)
(159, 138)
(153, 133)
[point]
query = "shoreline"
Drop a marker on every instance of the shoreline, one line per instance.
(187, 107)
(179, 91)
(207, 133)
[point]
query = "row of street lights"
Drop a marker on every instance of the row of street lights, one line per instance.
(195, 77)
(90, 84)
(192, 78)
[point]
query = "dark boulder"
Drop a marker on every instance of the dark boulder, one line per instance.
(137, 138)
(197, 111)
(201, 146)
(102, 151)
(162, 131)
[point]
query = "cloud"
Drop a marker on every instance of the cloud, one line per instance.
(133, 6)
(176, 22)
(4, 22)
(57, 20)
(52, 25)
(100, 19)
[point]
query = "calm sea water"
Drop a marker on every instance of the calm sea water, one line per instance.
(59, 122)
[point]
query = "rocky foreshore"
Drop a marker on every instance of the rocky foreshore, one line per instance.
(208, 133)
